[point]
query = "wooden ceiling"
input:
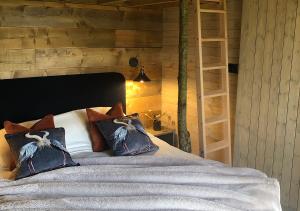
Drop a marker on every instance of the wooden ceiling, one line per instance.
(122, 3)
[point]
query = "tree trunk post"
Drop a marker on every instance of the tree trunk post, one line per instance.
(184, 136)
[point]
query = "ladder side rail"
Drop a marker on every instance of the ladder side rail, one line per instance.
(227, 127)
(199, 81)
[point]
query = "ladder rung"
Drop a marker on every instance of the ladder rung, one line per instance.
(213, 39)
(213, 66)
(214, 93)
(215, 120)
(216, 146)
(212, 11)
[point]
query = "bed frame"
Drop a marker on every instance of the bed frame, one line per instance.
(32, 98)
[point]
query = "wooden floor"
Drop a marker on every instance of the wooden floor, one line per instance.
(268, 113)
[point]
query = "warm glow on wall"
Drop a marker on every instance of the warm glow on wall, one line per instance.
(137, 101)
(133, 89)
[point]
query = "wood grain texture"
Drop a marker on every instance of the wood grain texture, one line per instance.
(292, 116)
(262, 146)
(245, 82)
(275, 99)
(234, 14)
(266, 155)
(97, 5)
(294, 194)
(274, 87)
(284, 88)
(299, 201)
(45, 38)
(114, 3)
(184, 139)
(254, 145)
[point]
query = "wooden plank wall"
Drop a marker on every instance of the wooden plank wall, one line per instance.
(43, 39)
(170, 68)
(234, 9)
(268, 121)
(234, 14)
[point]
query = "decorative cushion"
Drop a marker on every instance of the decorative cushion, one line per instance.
(12, 128)
(98, 142)
(45, 123)
(39, 151)
(6, 159)
(126, 136)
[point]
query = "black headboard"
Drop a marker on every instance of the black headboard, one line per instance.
(32, 98)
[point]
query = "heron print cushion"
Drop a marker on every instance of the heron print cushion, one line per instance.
(126, 136)
(39, 151)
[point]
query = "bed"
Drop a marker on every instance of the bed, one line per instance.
(168, 179)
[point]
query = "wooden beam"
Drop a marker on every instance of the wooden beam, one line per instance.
(63, 4)
(93, 4)
(114, 2)
(184, 136)
(160, 3)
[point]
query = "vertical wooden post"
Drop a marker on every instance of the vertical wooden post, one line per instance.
(184, 136)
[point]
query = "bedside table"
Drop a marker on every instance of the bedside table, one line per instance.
(166, 134)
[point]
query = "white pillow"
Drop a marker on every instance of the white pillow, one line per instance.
(75, 124)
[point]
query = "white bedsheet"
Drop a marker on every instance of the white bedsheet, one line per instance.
(164, 150)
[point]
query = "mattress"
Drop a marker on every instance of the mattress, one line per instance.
(168, 179)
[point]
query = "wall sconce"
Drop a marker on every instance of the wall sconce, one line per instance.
(142, 77)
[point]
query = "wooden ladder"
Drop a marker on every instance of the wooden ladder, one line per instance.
(212, 64)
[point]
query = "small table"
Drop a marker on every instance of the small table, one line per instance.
(166, 134)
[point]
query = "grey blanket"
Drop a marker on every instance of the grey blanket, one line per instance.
(143, 183)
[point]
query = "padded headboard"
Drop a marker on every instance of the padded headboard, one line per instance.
(32, 98)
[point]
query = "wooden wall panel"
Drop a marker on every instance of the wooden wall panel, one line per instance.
(99, 4)
(284, 88)
(234, 9)
(246, 76)
(42, 38)
(288, 162)
(170, 67)
(257, 84)
(274, 87)
(266, 84)
(267, 129)
(66, 17)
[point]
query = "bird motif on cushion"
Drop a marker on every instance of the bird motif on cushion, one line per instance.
(29, 150)
(120, 134)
